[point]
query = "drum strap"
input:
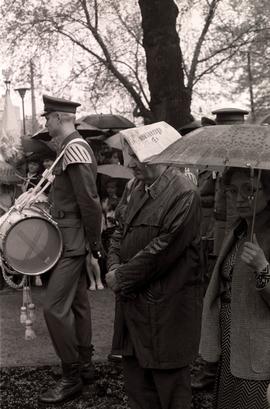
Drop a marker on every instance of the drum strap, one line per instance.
(47, 175)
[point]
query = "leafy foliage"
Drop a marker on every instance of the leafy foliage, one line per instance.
(94, 48)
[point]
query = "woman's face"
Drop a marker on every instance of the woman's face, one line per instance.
(47, 163)
(241, 192)
(33, 167)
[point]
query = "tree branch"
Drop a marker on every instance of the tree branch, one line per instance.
(110, 65)
(207, 23)
(125, 25)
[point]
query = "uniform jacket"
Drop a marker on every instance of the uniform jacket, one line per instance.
(75, 202)
(160, 274)
(250, 312)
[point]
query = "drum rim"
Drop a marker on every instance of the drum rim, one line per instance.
(53, 223)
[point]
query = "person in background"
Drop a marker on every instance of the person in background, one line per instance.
(8, 194)
(109, 204)
(34, 172)
(206, 185)
(120, 213)
(236, 312)
(48, 161)
(102, 154)
(7, 197)
(155, 271)
(109, 201)
(77, 211)
(115, 157)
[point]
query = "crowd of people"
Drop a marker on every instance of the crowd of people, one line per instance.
(189, 269)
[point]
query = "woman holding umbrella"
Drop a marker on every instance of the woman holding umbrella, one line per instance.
(236, 313)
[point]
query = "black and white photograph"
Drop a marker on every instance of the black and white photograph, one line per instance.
(135, 204)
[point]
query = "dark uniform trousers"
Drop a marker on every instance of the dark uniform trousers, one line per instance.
(156, 388)
(67, 309)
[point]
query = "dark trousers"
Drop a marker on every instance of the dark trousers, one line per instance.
(156, 388)
(67, 309)
(117, 340)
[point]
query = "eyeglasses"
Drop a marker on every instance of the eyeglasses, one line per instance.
(247, 191)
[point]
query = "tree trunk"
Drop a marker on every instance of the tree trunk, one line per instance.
(169, 98)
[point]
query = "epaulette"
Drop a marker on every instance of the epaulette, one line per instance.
(76, 153)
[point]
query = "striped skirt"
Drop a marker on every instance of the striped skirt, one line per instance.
(232, 392)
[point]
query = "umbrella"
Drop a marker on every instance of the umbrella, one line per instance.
(244, 146)
(215, 147)
(115, 141)
(108, 121)
(37, 146)
(83, 128)
(115, 171)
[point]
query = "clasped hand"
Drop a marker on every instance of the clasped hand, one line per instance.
(111, 280)
(26, 199)
(253, 255)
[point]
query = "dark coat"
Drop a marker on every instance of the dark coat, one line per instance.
(75, 202)
(160, 273)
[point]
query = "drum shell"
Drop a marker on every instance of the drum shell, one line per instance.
(30, 241)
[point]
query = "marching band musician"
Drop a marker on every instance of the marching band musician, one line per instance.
(76, 209)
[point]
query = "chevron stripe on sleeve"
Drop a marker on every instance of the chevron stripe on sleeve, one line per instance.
(76, 153)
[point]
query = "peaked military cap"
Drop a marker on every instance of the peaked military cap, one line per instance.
(229, 115)
(52, 104)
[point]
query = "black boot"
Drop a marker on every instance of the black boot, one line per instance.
(87, 367)
(69, 386)
(206, 376)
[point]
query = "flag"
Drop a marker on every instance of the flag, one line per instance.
(10, 141)
(11, 126)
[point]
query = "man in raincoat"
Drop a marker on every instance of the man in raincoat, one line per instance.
(155, 270)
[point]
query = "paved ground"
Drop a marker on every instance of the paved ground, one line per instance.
(15, 351)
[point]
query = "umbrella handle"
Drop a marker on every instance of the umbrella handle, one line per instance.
(255, 205)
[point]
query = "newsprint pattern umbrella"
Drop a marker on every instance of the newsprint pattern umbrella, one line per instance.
(214, 147)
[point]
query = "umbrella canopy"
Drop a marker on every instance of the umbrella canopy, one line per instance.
(214, 147)
(115, 171)
(85, 129)
(108, 121)
(37, 146)
(115, 141)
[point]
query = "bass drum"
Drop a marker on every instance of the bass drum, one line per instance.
(30, 242)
